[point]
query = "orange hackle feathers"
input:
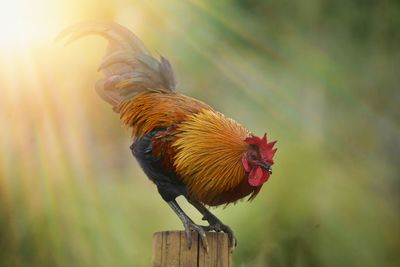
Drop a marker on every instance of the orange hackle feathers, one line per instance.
(209, 150)
(155, 109)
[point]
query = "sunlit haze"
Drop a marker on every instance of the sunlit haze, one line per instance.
(319, 76)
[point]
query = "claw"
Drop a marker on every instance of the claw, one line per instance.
(191, 226)
(231, 236)
(232, 242)
(188, 236)
(203, 238)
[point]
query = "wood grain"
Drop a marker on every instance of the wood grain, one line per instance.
(170, 249)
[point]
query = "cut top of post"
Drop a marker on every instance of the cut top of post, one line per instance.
(170, 249)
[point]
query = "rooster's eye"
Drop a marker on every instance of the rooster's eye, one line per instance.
(253, 157)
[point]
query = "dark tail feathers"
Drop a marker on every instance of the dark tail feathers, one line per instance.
(128, 66)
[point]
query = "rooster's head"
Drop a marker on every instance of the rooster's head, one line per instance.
(258, 159)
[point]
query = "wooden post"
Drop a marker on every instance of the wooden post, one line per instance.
(170, 250)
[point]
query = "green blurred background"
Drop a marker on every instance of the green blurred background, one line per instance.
(321, 77)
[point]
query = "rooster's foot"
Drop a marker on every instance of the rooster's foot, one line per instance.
(214, 223)
(217, 226)
(191, 226)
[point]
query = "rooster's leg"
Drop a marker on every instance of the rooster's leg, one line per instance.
(215, 224)
(189, 225)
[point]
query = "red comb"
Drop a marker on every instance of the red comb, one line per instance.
(267, 150)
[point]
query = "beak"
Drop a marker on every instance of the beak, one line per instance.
(265, 166)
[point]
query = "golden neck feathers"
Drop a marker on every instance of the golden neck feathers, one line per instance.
(209, 149)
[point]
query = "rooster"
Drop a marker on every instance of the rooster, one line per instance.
(184, 146)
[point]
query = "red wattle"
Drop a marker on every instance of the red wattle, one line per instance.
(258, 176)
(255, 176)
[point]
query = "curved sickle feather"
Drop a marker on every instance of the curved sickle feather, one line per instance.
(127, 61)
(113, 32)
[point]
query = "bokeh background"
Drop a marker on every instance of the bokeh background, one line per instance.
(322, 77)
